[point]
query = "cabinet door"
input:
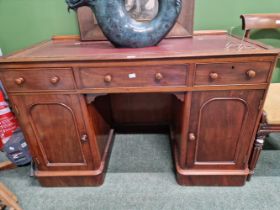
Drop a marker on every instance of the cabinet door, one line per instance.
(55, 131)
(221, 128)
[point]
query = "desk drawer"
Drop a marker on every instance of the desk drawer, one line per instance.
(38, 79)
(174, 75)
(232, 73)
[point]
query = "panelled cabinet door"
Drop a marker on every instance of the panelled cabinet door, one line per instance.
(55, 131)
(221, 128)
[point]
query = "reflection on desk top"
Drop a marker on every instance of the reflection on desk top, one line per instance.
(197, 46)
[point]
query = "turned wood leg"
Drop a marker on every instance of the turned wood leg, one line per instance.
(258, 146)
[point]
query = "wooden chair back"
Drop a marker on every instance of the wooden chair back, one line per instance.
(259, 21)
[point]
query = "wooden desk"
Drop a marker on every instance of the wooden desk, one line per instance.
(70, 97)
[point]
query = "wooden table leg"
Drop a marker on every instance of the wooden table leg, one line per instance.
(8, 201)
(8, 198)
(8, 192)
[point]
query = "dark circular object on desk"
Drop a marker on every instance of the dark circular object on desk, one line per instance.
(124, 31)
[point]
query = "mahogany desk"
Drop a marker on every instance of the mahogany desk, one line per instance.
(70, 97)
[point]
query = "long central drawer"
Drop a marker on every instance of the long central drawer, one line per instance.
(164, 75)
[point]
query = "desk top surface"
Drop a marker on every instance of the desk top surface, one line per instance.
(197, 46)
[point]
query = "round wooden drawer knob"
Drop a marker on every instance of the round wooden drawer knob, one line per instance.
(158, 76)
(251, 74)
(192, 137)
(108, 78)
(214, 76)
(54, 80)
(19, 81)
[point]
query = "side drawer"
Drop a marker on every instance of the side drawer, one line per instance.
(168, 75)
(38, 79)
(232, 73)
